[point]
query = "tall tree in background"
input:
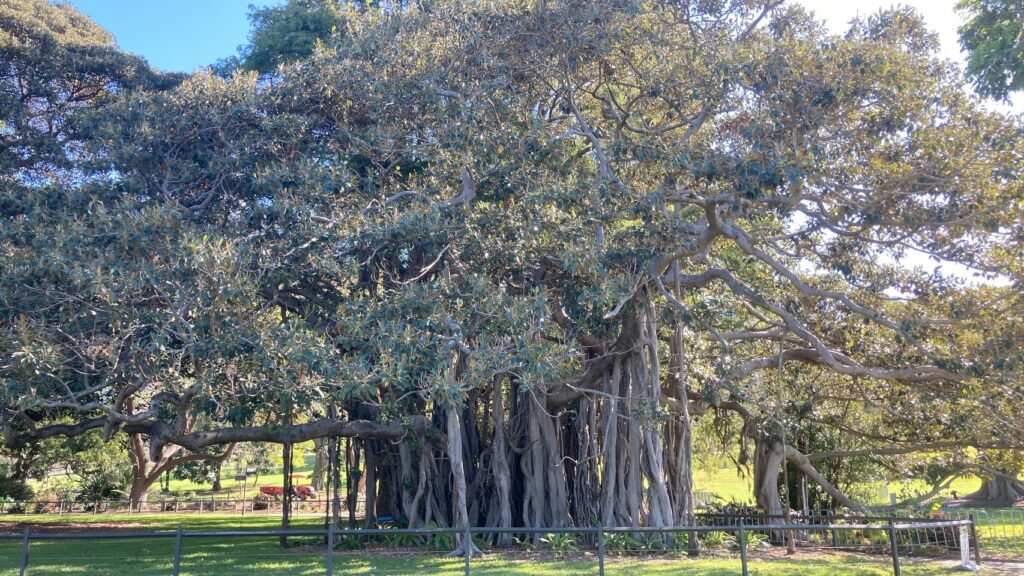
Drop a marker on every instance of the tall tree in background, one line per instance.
(54, 62)
(993, 38)
(285, 33)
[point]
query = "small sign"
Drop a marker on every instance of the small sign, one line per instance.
(240, 477)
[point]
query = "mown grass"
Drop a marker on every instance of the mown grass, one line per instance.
(250, 556)
(729, 486)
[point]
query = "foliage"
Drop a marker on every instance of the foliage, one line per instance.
(390, 232)
(15, 489)
(712, 540)
(560, 542)
(288, 33)
(993, 38)
(102, 469)
(620, 542)
(55, 62)
(754, 540)
(439, 541)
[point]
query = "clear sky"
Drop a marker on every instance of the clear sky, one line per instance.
(178, 35)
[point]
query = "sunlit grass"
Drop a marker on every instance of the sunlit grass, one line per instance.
(264, 557)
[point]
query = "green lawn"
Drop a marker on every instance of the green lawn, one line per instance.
(724, 483)
(730, 487)
(249, 556)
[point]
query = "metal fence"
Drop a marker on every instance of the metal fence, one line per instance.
(889, 539)
(1000, 531)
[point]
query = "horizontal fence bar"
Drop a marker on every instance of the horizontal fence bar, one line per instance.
(476, 530)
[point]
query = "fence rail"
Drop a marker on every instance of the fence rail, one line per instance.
(199, 505)
(898, 537)
(1000, 532)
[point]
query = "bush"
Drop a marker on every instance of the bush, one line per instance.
(559, 543)
(15, 489)
(712, 540)
(620, 542)
(260, 501)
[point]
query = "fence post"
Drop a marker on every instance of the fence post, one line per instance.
(600, 549)
(974, 536)
(24, 552)
(743, 547)
(330, 548)
(895, 549)
(467, 545)
(177, 551)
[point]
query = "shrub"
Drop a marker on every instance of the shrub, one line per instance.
(620, 542)
(440, 541)
(260, 501)
(712, 540)
(559, 543)
(15, 489)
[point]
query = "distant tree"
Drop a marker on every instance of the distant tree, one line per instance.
(993, 38)
(288, 32)
(102, 469)
(55, 62)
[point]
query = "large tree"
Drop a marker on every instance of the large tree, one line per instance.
(538, 238)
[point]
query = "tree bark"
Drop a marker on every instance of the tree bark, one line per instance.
(146, 472)
(499, 461)
(286, 496)
(460, 512)
(999, 487)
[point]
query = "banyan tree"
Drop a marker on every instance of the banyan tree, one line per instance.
(511, 250)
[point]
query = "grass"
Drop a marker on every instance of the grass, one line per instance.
(724, 483)
(263, 557)
(727, 484)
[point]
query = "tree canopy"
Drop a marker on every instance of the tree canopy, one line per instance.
(993, 37)
(539, 238)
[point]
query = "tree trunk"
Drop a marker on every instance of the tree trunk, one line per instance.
(217, 487)
(286, 496)
(146, 472)
(138, 494)
(321, 463)
(352, 486)
(370, 476)
(1000, 487)
(460, 512)
(679, 445)
(499, 461)
(768, 456)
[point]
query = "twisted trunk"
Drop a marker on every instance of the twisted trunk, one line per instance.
(1002, 487)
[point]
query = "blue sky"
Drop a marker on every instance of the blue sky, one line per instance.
(179, 35)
